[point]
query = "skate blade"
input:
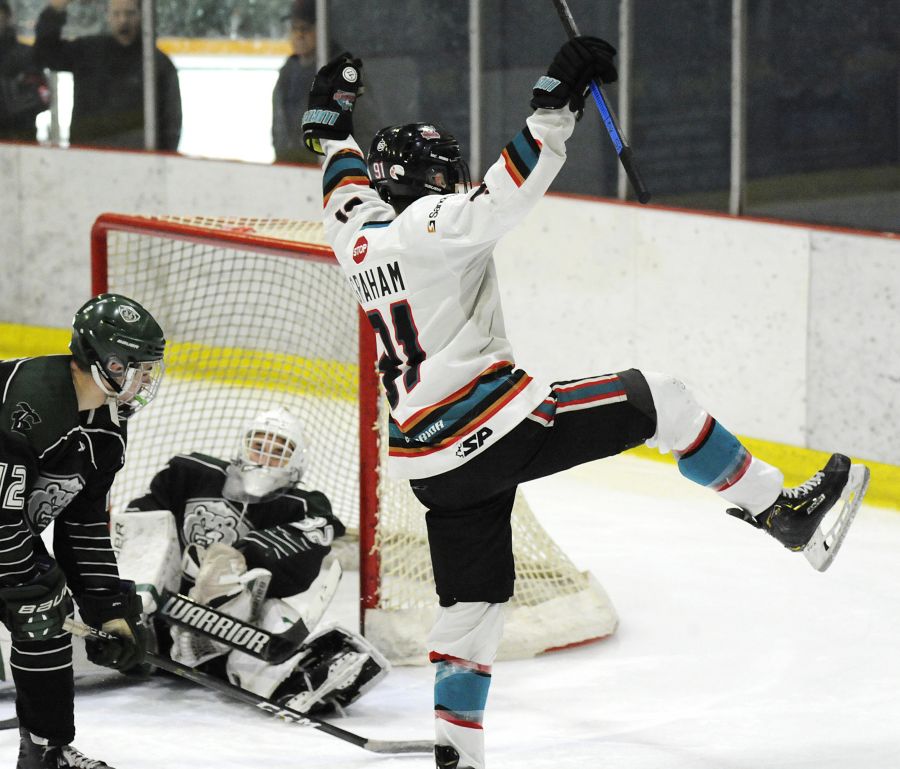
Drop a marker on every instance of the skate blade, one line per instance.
(823, 546)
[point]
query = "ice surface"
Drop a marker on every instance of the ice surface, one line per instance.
(732, 654)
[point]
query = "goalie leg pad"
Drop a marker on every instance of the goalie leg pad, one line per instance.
(336, 667)
(146, 545)
(259, 676)
(218, 584)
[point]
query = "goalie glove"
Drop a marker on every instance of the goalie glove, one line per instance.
(578, 62)
(332, 96)
(118, 614)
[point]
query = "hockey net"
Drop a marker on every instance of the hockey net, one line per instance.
(258, 313)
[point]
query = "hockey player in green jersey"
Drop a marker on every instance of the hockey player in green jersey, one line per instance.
(63, 427)
(250, 537)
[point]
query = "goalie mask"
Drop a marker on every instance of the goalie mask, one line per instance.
(271, 458)
(410, 161)
(122, 346)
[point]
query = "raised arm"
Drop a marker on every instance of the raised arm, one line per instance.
(348, 197)
(530, 162)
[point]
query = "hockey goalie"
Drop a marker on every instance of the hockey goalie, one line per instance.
(243, 539)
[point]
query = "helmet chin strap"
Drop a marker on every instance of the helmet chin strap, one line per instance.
(112, 395)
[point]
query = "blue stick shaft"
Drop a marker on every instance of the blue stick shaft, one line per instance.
(623, 150)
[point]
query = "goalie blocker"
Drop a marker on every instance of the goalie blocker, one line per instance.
(226, 625)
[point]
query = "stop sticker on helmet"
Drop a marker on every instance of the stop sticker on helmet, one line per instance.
(360, 249)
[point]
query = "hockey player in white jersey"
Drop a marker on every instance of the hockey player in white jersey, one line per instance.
(467, 426)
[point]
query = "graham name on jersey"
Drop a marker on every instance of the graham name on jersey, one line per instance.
(374, 283)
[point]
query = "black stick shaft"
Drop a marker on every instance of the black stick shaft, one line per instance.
(623, 149)
(242, 695)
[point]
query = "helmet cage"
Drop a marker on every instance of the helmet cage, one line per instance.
(271, 458)
(134, 384)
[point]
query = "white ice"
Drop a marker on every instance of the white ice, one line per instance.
(732, 654)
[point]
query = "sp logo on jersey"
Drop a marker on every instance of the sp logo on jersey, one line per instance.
(474, 442)
(360, 249)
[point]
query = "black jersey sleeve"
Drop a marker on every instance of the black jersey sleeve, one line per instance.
(17, 545)
(81, 542)
(294, 551)
(164, 493)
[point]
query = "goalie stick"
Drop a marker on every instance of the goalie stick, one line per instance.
(623, 150)
(273, 648)
(270, 707)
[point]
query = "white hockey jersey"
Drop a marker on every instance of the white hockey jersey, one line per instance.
(427, 282)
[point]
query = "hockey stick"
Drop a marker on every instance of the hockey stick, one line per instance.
(274, 648)
(272, 708)
(250, 639)
(623, 150)
(9, 723)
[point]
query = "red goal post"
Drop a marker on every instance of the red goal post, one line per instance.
(257, 312)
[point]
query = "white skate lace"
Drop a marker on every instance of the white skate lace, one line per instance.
(804, 488)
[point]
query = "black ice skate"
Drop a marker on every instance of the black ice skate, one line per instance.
(34, 756)
(795, 519)
(446, 757)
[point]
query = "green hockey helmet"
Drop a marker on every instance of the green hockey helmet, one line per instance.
(122, 345)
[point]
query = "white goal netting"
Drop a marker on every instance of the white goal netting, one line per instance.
(257, 313)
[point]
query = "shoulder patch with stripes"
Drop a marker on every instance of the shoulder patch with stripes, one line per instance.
(346, 167)
(521, 155)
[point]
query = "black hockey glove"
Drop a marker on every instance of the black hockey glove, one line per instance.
(332, 96)
(569, 76)
(37, 609)
(118, 614)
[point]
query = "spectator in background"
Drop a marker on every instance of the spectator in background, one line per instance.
(292, 91)
(24, 93)
(108, 72)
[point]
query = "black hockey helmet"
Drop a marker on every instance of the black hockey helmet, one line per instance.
(122, 345)
(409, 161)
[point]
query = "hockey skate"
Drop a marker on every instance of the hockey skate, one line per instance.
(446, 757)
(796, 519)
(35, 756)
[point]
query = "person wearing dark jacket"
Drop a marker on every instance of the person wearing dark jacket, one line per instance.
(23, 88)
(108, 105)
(292, 90)
(292, 86)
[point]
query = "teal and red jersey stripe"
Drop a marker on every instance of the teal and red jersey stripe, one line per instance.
(580, 394)
(344, 167)
(443, 424)
(521, 155)
(715, 458)
(460, 690)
